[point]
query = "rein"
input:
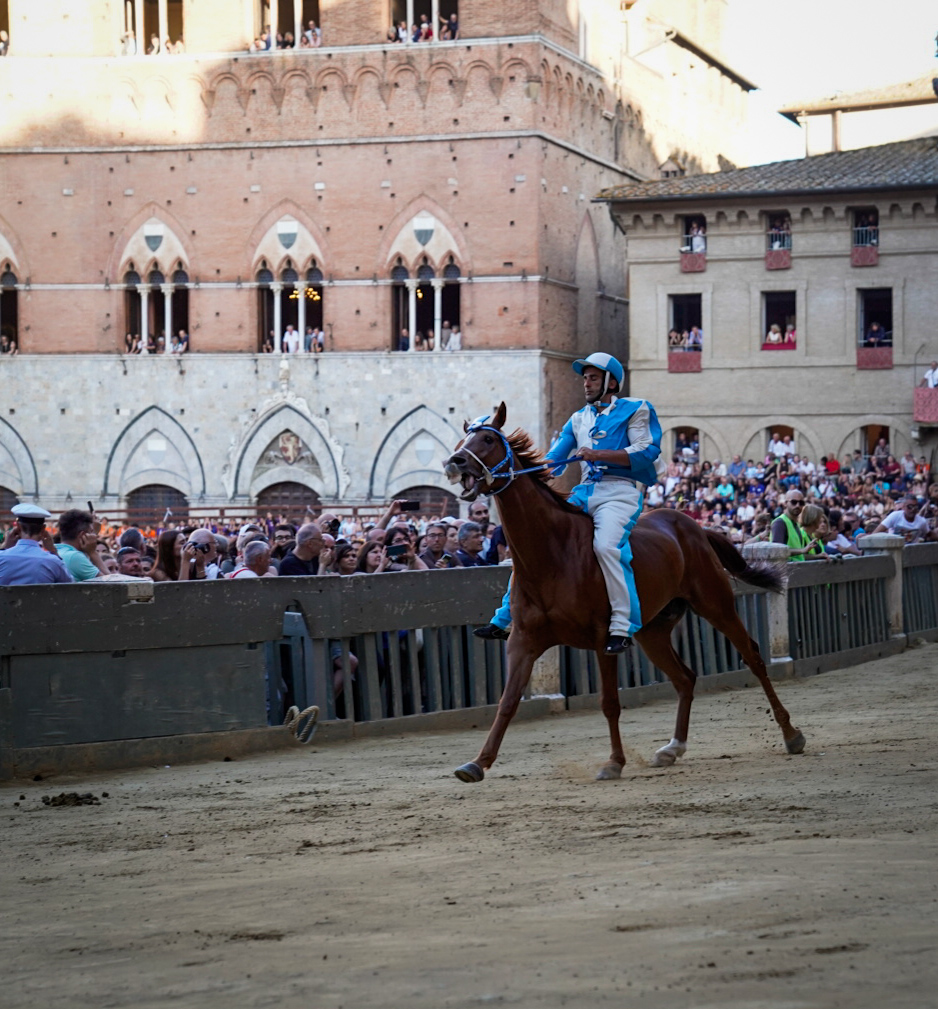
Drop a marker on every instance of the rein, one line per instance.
(503, 470)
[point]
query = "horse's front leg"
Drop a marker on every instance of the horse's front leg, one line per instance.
(522, 653)
(609, 675)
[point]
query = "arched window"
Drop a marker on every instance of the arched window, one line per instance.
(9, 309)
(400, 307)
(149, 505)
(312, 330)
(424, 322)
(132, 316)
(451, 295)
(149, 36)
(266, 338)
(180, 305)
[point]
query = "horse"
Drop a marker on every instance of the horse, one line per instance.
(559, 596)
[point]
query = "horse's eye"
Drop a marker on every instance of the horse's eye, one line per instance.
(489, 440)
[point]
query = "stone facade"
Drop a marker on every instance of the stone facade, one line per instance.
(364, 427)
(825, 388)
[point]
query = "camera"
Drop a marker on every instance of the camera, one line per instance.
(203, 548)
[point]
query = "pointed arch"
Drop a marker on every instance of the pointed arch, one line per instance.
(287, 417)
(153, 420)
(17, 466)
(11, 250)
(264, 242)
(588, 281)
(400, 240)
(412, 454)
(130, 244)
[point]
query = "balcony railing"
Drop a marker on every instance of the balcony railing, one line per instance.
(874, 358)
(865, 251)
(778, 250)
(925, 408)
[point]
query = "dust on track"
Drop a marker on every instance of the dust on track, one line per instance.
(364, 875)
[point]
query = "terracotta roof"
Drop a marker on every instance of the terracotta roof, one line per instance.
(909, 164)
(919, 91)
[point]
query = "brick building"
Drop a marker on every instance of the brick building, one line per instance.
(362, 187)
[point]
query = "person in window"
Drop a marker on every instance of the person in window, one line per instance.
(426, 29)
(313, 35)
(415, 33)
(790, 335)
(183, 341)
(876, 336)
(154, 45)
(930, 379)
(774, 335)
(675, 342)
(698, 238)
(403, 342)
(695, 339)
(450, 31)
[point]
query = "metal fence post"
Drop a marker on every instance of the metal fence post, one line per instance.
(892, 546)
(774, 553)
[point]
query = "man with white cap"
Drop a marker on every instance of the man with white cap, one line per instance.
(28, 555)
(618, 442)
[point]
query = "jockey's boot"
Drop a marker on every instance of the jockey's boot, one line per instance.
(616, 644)
(492, 632)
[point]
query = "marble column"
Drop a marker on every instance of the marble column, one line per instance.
(412, 313)
(277, 287)
(144, 290)
(167, 290)
(139, 28)
(297, 22)
(301, 313)
(164, 26)
(437, 313)
(410, 20)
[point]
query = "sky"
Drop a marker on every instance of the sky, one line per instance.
(795, 49)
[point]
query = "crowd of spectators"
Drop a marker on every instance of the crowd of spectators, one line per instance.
(833, 501)
(423, 32)
(134, 344)
(400, 540)
(154, 47)
(310, 38)
(680, 340)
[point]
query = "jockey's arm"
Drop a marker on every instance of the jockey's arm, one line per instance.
(563, 447)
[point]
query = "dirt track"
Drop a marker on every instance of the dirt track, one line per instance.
(365, 875)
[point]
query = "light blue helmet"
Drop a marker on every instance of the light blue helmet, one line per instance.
(606, 363)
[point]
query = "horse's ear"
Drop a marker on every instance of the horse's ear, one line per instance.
(465, 427)
(499, 419)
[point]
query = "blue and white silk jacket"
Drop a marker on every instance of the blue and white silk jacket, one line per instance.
(629, 425)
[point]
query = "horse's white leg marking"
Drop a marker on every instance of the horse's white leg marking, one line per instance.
(667, 755)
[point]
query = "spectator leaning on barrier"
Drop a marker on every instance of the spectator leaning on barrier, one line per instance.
(79, 546)
(907, 522)
(787, 528)
(129, 562)
(435, 555)
(28, 555)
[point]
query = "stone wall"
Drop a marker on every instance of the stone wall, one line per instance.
(370, 425)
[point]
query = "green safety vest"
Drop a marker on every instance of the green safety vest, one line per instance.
(797, 537)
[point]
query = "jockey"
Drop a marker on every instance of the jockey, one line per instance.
(618, 441)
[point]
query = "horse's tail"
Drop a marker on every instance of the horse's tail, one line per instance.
(763, 576)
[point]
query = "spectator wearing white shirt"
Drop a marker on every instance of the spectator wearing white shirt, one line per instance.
(291, 340)
(907, 522)
(930, 380)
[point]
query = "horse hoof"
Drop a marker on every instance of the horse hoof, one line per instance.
(796, 744)
(609, 772)
(469, 773)
(662, 758)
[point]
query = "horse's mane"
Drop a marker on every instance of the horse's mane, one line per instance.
(526, 455)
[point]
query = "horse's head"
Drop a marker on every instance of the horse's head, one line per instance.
(483, 450)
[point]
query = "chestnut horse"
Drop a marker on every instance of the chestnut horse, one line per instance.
(559, 595)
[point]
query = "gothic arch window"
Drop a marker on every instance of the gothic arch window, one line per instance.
(265, 309)
(9, 310)
(450, 296)
(400, 307)
(146, 34)
(8, 499)
(423, 323)
(179, 310)
(312, 302)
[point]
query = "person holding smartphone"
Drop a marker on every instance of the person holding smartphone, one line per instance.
(436, 556)
(399, 547)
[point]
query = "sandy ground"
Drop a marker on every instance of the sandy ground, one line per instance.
(365, 874)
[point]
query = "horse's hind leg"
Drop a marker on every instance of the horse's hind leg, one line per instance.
(521, 656)
(719, 607)
(655, 639)
(609, 678)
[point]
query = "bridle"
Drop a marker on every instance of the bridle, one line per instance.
(503, 470)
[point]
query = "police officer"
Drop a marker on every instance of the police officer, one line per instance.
(28, 556)
(618, 441)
